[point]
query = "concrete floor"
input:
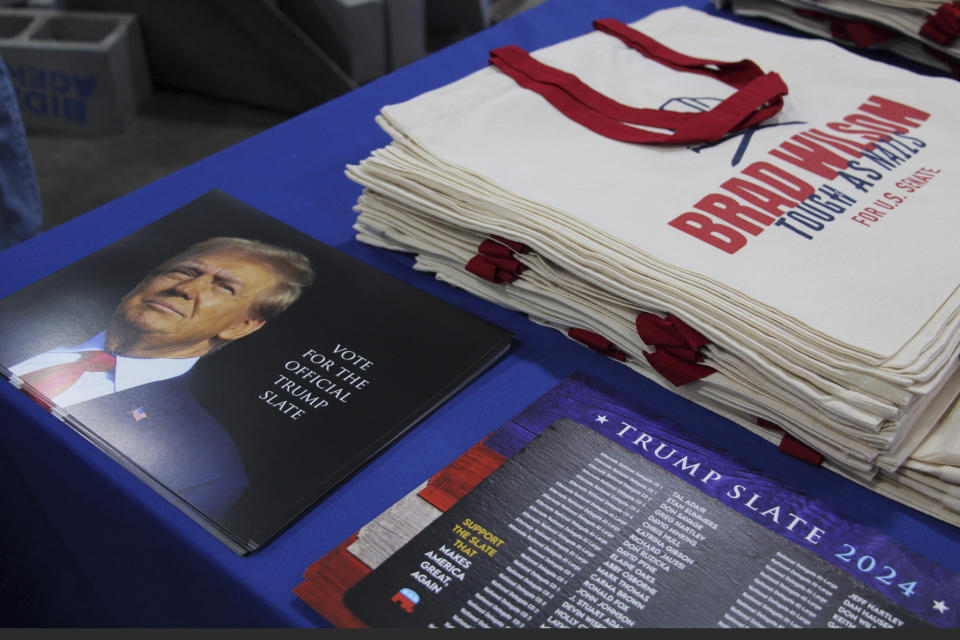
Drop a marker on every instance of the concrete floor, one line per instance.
(77, 173)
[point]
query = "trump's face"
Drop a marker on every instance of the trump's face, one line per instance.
(192, 301)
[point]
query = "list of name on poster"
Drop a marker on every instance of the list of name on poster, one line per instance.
(784, 594)
(859, 612)
(787, 593)
(624, 580)
(567, 530)
(315, 379)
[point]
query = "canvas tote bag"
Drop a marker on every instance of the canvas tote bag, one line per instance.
(860, 302)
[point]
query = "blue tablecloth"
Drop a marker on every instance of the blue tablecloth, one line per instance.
(83, 542)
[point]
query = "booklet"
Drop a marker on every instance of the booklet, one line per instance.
(241, 368)
(585, 511)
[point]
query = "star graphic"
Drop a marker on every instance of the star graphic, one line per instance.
(940, 606)
(601, 419)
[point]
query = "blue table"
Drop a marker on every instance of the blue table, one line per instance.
(84, 543)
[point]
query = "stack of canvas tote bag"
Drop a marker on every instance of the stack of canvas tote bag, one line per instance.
(763, 224)
(925, 31)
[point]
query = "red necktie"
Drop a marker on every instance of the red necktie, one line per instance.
(52, 381)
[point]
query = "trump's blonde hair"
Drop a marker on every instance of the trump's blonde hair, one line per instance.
(291, 268)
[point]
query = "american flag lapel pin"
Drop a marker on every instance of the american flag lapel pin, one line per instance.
(138, 414)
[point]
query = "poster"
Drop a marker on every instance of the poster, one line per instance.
(583, 511)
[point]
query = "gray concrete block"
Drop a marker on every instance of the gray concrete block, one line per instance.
(46, 4)
(235, 50)
(352, 32)
(75, 71)
(367, 38)
(457, 16)
(406, 27)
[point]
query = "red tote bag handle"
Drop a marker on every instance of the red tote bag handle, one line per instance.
(759, 95)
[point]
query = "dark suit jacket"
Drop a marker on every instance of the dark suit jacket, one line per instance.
(175, 441)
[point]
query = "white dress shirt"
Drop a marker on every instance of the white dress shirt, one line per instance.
(129, 372)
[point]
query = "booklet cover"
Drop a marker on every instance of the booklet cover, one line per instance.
(240, 367)
(584, 511)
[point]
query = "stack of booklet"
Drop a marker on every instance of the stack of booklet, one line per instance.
(923, 31)
(229, 373)
(753, 220)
